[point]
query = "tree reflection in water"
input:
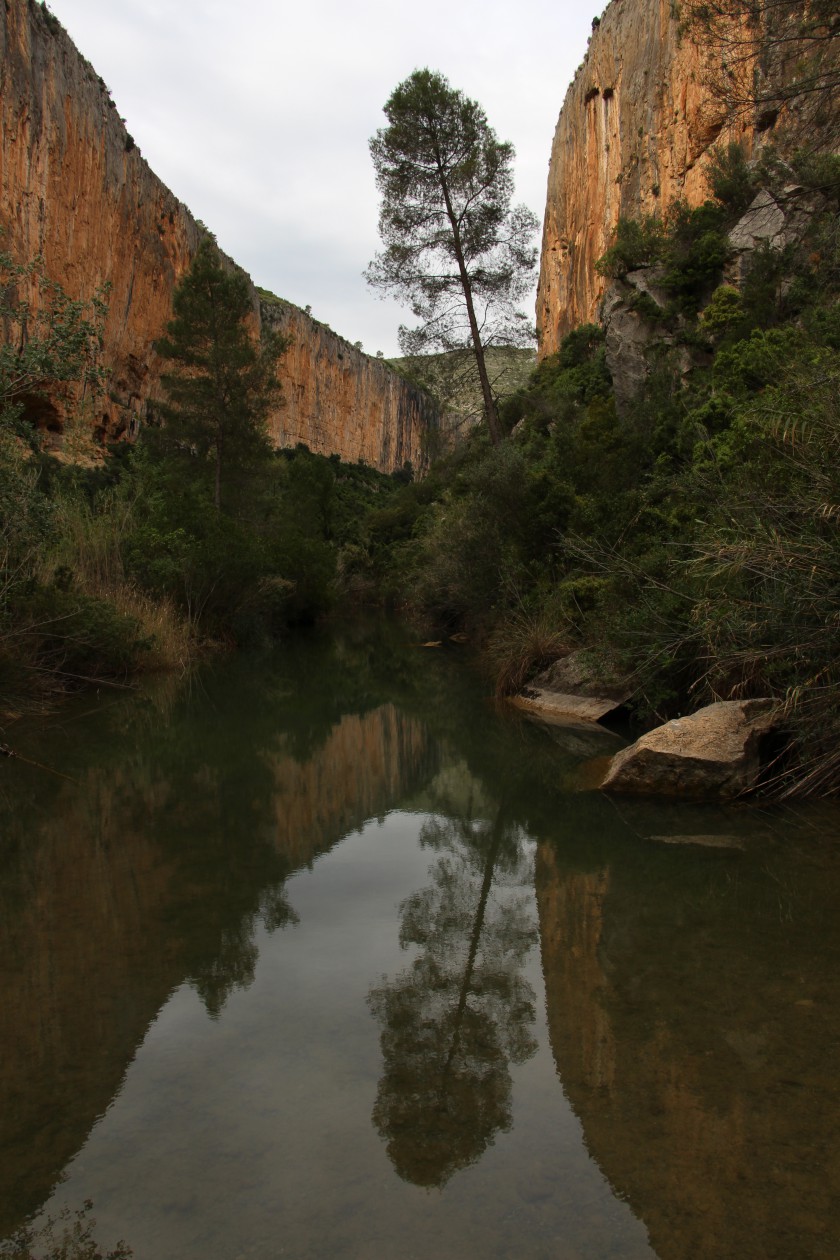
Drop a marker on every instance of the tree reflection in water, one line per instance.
(233, 965)
(454, 1021)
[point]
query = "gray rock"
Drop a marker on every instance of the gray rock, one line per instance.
(649, 280)
(630, 333)
(574, 675)
(772, 219)
(582, 740)
(705, 841)
(763, 222)
(627, 337)
(713, 754)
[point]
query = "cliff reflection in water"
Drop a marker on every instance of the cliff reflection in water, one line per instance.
(456, 1019)
(156, 871)
(693, 1003)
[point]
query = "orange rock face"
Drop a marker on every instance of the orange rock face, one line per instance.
(335, 398)
(634, 134)
(75, 190)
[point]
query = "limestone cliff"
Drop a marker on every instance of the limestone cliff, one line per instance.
(75, 189)
(335, 398)
(634, 134)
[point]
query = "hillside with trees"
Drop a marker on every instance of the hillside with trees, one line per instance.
(687, 535)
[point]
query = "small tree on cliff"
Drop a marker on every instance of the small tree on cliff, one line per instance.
(455, 250)
(223, 383)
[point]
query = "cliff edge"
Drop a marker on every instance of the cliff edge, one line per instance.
(75, 190)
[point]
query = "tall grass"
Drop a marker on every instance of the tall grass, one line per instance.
(522, 643)
(87, 552)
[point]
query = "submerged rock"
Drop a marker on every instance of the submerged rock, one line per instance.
(713, 754)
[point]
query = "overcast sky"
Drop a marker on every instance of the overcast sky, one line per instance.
(257, 114)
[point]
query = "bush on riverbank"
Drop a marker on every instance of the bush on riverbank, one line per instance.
(119, 569)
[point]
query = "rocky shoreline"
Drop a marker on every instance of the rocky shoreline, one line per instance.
(714, 754)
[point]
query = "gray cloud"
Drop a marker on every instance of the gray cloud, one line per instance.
(257, 115)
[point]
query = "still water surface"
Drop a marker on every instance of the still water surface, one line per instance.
(320, 955)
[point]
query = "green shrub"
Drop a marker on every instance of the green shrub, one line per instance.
(636, 243)
(731, 178)
(67, 632)
(693, 253)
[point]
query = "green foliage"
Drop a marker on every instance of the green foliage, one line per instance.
(731, 178)
(49, 342)
(78, 635)
(694, 250)
(819, 172)
(468, 547)
(688, 249)
(243, 539)
(55, 622)
(636, 243)
(576, 374)
(724, 312)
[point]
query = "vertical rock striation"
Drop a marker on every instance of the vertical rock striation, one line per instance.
(634, 134)
(75, 190)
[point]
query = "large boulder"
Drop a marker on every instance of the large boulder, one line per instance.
(578, 674)
(773, 221)
(713, 754)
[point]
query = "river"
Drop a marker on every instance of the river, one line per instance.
(322, 954)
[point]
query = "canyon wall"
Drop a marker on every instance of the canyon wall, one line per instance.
(336, 398)
(75, 190)
(634, 134)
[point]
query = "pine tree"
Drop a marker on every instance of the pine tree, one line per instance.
(455, 250)
(223, 382)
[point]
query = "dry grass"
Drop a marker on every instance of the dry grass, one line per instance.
(173, 639)
(89, 550)
(521, 645)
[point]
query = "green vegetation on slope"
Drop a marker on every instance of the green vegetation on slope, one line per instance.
(452, 380)
(693, 540)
